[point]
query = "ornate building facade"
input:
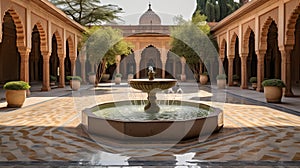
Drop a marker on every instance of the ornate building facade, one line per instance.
(151, 42)
(37, 40)
(261, 39)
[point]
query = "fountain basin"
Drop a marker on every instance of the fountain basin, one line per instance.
(147, 85)
(158, 130)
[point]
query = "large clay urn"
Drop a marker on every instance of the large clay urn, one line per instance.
(15, 98)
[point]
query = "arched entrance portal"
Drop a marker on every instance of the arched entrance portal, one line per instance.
(150, 57)
(127, 65)
(273, 56)
(252, 57)
(67, 61)
(54, 60)
(9, 55)
(296, 56)
(225, 62)
(35, 57)
(237, 61)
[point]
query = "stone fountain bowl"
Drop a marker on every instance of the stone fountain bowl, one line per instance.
(157, 130)
(147, 85)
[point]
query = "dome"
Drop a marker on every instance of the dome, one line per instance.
(150, 18)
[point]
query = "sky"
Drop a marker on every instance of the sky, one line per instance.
(166, 9)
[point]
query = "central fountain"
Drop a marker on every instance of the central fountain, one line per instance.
(129, 120)
(151, 86)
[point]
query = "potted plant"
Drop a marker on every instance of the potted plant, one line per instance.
(204, 78)
(273, 90)
(130, 76)
(235, 79)
(253, 81)
(74, 82)
(221, 81)
(118, 78)
(53, 79)
(16, 93)
(92, 77)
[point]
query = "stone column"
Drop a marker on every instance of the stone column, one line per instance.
(183, 63)
(230, 70)
(244, 77)
(24, 70)
(137, 58)
(46, 71)
(260, 69)
(73, 66)
(286, 75)
(221, 68)
(82, 64)
(61, 71)
(118, 61)
(164, 53)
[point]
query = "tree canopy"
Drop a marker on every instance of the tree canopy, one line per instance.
(88, 12)
(216, 10)
(190, 40)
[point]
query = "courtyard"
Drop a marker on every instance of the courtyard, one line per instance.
(47, 132)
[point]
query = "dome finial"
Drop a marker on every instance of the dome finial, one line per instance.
(149, 6)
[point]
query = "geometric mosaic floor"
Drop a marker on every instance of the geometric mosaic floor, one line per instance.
(49, 134)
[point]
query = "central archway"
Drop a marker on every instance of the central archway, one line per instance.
(150, 57)
(35, 57)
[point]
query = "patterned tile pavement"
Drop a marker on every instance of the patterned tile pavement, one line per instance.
(49, 134)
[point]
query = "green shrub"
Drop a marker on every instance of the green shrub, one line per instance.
(221, 76)
(235, 77)
(16, 85)
(53, 78)
(118, 75)
(74, 78)
(91, 73)
(205, 73)
(273, 82)
(253, 80)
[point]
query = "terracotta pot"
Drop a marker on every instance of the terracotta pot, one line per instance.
(254, 85)
(118, 80)
(92, 79)
(130, 76)
(75, 84)
(221, 83)
(15, 98)
(273, 94)
(203, 79)
(105, 77)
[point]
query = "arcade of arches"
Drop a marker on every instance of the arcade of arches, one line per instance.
(261, 39)
(36, 41)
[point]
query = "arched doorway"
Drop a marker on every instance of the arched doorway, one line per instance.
(273, 55)
(67, 61)
(150, 57)
(9, 55)
(127, 65)
(252, 57)
(296, 56)
(237, 61)
(54, 60)
(35, 57)
(225, 62)
(173, 66)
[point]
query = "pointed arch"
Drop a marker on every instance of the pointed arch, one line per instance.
(246, 40)
(59, 44)
(223, 48)
(43, 36)
(290, 35)
(264, 33)
(19, 28)
(232, 44)
(71, 48)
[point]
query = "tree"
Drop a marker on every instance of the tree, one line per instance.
(103, 45)
(190, 40)
(88, 12)
(216, 10)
